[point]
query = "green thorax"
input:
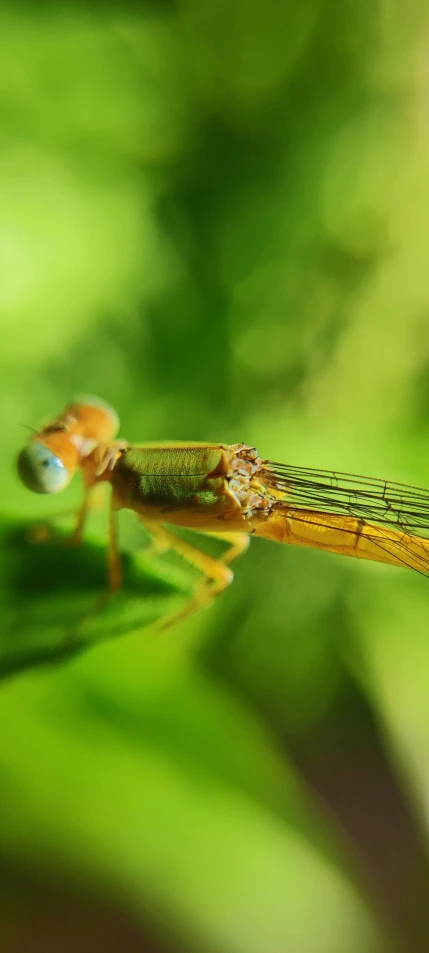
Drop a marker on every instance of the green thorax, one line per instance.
(171, 475)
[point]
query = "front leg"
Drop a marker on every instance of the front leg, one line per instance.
(113, 556)
(42, 532)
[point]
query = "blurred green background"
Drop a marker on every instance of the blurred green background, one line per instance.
(215, 215)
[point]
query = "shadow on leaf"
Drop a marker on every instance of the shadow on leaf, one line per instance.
(51, 597)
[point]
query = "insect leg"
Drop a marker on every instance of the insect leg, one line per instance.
(43, 532)
(216, 571)
(113, 561)
(239, 542)
(113, 557)
(76, 539)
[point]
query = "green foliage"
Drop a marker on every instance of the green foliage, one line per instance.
(215, 217)
(54, 598)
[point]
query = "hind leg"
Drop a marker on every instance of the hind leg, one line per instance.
(239, 543)
(217, 572)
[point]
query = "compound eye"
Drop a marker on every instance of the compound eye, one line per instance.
(40, 470)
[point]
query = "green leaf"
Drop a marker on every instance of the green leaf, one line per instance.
(52, 595)
(146, 778)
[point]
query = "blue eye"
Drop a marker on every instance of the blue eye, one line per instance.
(40, 470)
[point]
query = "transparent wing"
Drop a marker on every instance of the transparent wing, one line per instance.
(394, 517)
(344, 494)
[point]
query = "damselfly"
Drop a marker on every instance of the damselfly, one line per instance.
(226, 491)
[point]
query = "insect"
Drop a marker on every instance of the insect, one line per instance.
(225, 491)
